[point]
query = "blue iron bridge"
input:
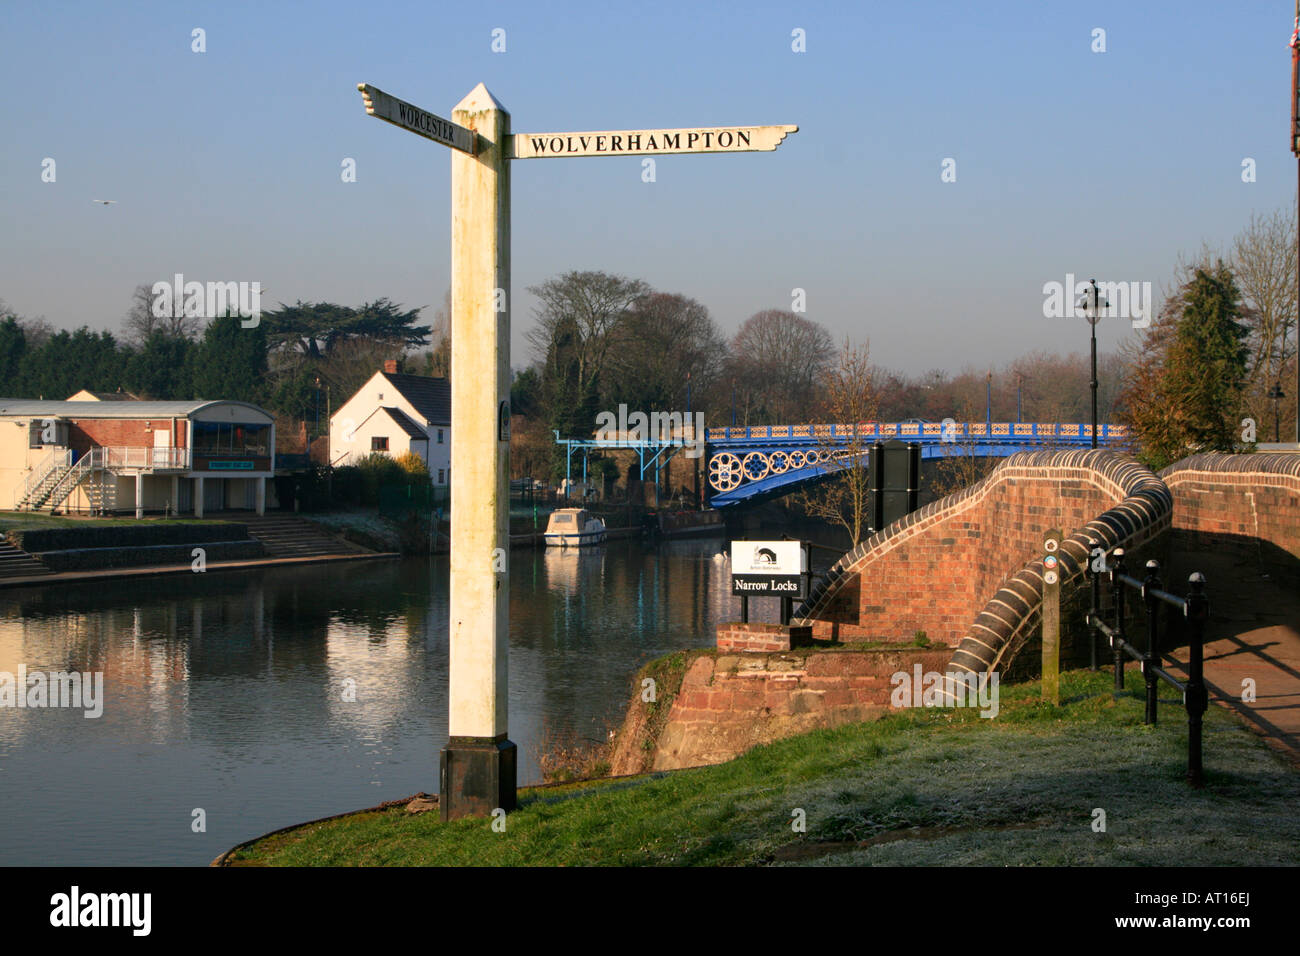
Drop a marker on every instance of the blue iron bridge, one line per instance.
(764, 461)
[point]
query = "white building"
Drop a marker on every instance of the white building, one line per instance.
(392, 414)
(131, 456)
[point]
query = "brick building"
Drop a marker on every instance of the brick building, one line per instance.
(135, 456)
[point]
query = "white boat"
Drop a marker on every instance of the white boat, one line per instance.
(573, 528)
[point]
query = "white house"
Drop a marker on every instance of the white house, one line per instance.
(392, 414)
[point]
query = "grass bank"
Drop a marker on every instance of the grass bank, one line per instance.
(929, 787)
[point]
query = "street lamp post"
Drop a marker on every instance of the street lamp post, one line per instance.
(1019, 381)
(988, 399)
(1093, 303)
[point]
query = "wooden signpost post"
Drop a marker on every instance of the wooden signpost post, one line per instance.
(478, 765)
(1052, 616)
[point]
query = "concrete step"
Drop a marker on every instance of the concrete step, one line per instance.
(16, 563)
(288, 537)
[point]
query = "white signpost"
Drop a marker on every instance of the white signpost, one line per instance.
(651, 142)
(478, 765)
(418, 121)
(768, 568)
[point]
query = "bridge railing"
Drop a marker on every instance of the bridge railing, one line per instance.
(1195, 608)
(932, 431)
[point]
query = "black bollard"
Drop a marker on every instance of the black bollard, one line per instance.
(1197, 609)
(1117, 594)
(1094, 579)
(1151, 659)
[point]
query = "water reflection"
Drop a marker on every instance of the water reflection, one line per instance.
(270, 697)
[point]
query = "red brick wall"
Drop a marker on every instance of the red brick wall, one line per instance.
(936, 574)
(85, 433)
(733, 702)
(1235, 501)
(733, 636)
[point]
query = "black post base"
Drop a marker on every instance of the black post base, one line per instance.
(477, 775)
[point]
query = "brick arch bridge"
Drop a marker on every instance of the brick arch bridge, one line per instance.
(966, 569)
(944, 568)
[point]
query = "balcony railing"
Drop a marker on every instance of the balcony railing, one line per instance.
(161, 459)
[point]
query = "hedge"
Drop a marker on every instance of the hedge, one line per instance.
(84, 559)
(37, 540)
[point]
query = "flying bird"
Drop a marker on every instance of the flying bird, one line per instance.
(104, 201)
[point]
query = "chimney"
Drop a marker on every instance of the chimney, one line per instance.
(390, 366)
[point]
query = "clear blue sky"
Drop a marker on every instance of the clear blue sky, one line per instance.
(226, 164)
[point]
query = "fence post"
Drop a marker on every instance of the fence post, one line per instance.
(1094, 579)
(1117, 594)
(1152, 656)
(1197, 609)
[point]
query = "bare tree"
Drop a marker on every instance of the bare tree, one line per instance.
(960, 465)
(779, 361)
(140, 321)
(1264, 263)
(851, 399)
(592, 305)
(665, 342)
(36, 330)
(437, 361)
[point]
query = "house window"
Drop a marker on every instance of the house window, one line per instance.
(439, 436)
(379, 443)
(442, 476)
(46, 431)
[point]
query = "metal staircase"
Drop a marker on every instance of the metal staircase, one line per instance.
(102, 492)
(71, 476)
(43, 479)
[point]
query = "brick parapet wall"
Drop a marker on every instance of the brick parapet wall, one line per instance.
(936, 569)
(1234, 503)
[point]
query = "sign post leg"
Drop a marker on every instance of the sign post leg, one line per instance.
(1052, 570)
(478, 765)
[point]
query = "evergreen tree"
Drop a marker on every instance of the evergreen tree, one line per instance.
(1185, 394)
(230, 362)
(13, 345)
(161, 369)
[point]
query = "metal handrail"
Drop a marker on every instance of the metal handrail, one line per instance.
(123, 456)
(1006, 431)
(88, 462)
(1195, 608)
(53, 461)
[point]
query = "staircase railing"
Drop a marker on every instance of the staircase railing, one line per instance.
(73, 477)
(35, 480)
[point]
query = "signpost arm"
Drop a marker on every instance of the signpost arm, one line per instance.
(479, 762)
